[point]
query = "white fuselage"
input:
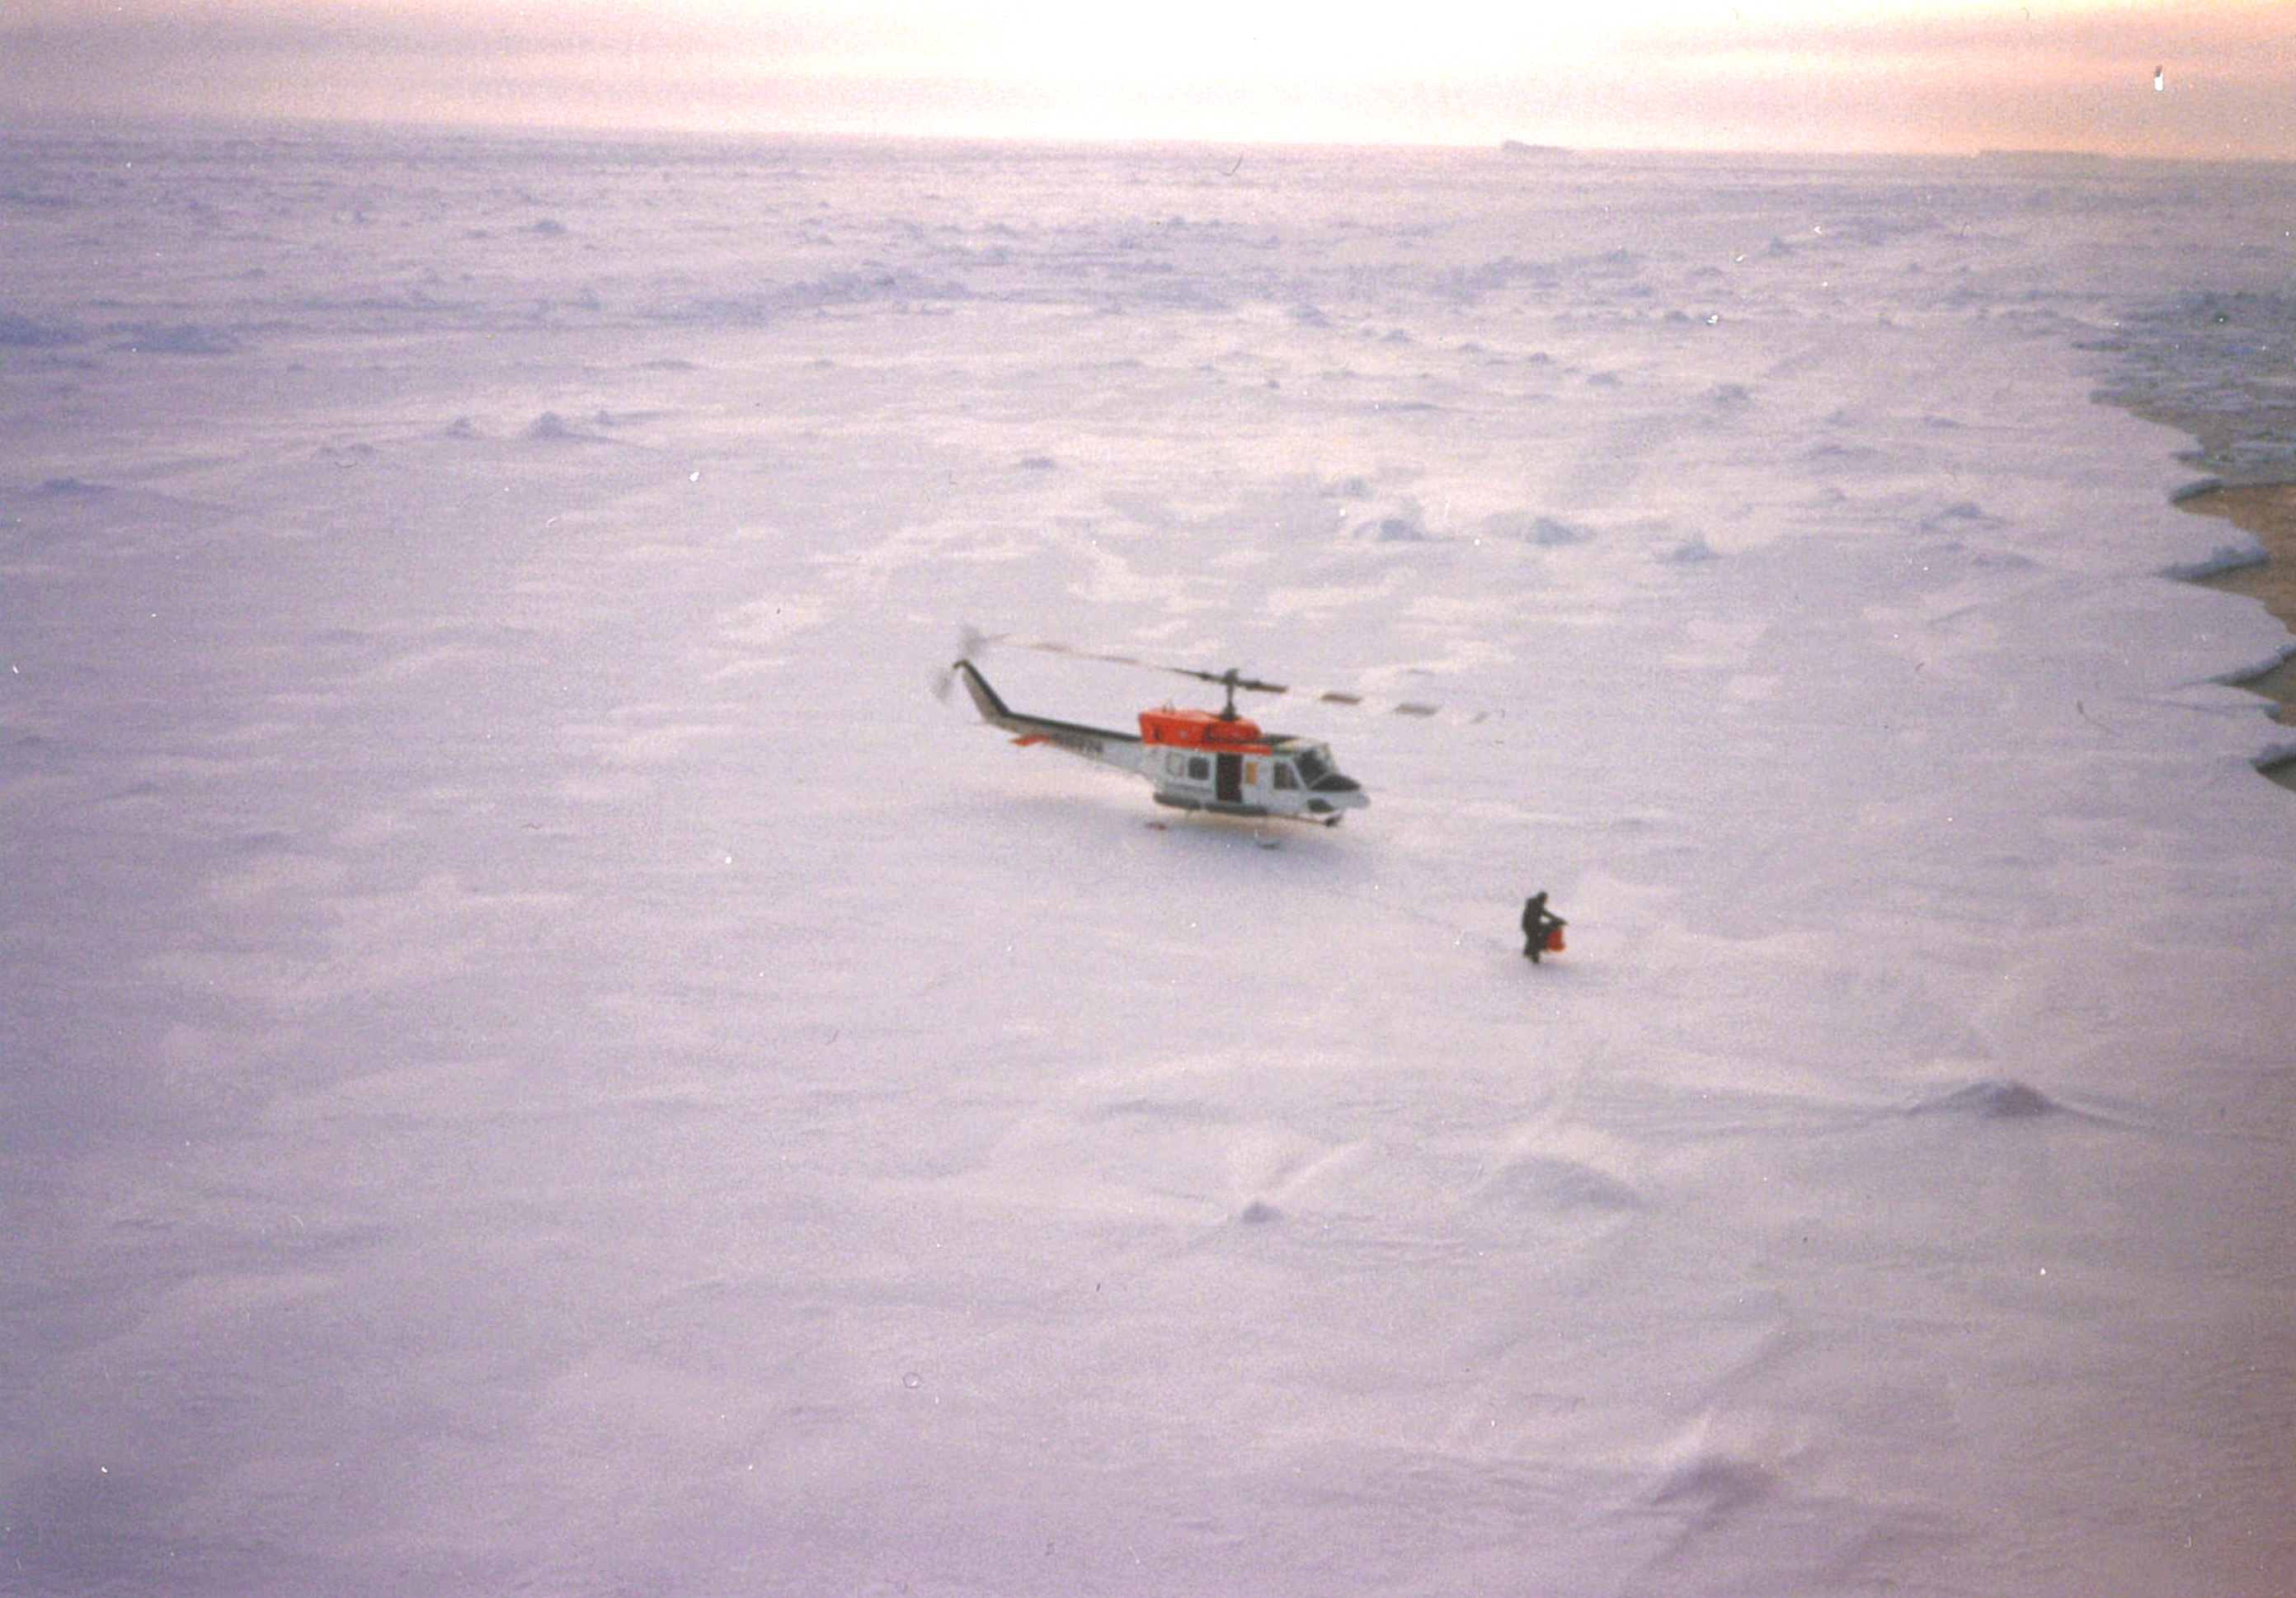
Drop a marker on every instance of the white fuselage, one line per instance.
(1194, 760)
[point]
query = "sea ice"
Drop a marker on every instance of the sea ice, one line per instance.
(539, 1055)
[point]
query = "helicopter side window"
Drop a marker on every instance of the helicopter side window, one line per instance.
(1283, 777)
(1200, 768)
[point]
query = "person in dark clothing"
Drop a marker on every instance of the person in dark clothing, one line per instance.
(1537, 926)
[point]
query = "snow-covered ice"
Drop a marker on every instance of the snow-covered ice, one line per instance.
(539, 1056)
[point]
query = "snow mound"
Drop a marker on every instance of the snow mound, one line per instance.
(1552, 1183)
(1994, 1100)
(1715, 1484)
(550, 426)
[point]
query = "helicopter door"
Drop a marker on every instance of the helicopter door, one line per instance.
(1229, 783)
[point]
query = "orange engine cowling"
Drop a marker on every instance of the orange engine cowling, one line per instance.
(1200, 729)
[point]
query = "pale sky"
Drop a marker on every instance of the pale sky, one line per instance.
(1789, 75)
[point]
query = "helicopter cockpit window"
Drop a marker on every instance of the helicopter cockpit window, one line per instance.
(1283, 777)
(1313, 763)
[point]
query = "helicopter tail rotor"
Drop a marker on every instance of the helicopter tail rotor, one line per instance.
(970, 641)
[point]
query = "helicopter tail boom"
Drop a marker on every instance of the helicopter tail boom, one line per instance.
(1093, 743)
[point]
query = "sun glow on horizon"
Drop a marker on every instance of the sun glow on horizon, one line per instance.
(1911, 75)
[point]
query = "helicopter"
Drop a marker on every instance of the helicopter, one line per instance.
(1219, 763)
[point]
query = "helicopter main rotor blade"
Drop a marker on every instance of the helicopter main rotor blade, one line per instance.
(1233, 678)
(1414, 710)
(1053, 646)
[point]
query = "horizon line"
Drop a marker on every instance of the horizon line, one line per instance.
(113, 122)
